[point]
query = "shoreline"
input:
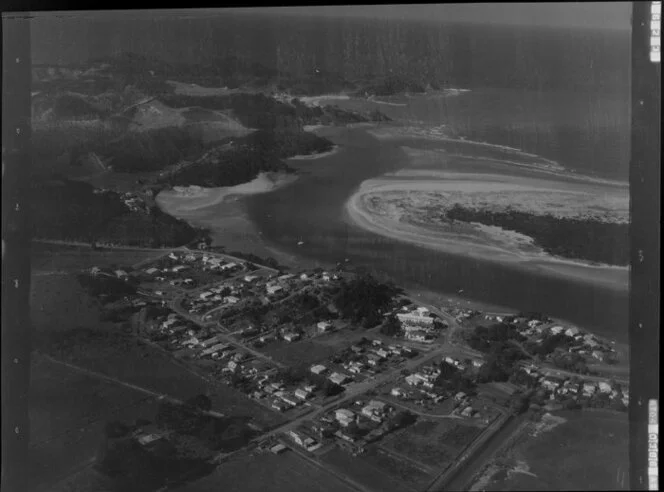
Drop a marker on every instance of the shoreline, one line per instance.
(308, 157)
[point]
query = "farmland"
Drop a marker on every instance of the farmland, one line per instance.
(249, 472)
(579, 454)
(432, 443)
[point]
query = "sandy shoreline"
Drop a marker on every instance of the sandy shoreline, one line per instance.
(308, 157)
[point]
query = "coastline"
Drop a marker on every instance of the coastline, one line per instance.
(321, 155)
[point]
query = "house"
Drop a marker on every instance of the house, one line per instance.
(375, 408)
(572, 332)
(173, 256)
(267, 338)
(120, 273)
(338, 378)
(146, 439)
(556, 329)
(205, 295)
(459, 396)
(549, 384)
(398, 392)
(318, 369)
(604, 387)
(310, 388)
(152, 271)
(232, 365)
(344, 416)
(419, 337)
(279, 448)
(287, 276)
(589, 389)
(279, 405)
(467, 412)
(290, 399)
(414, 379)
(355, 367)
(301, 394)
(179, 268)
(478, 363)
(231, 300)
(356, 349)
(221, 347)
(382, 353)
(273, 289)
(596, 354)
(250, 278)
(451, 361)
(345, 437)
(373, 359)
(291, 336)
(418, 317)
(211, 341)
(324, 326)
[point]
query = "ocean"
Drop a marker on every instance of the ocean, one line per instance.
(563, 95)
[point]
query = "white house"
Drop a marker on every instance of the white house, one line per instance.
(318, 369)
(572, 332)
(324, 326)
(556, 329)
(291, 336)
(604, 387)
(273, 289)
(344, 416)
(338, 378)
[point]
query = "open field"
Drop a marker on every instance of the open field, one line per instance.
(298, 353)
(46, 258)
(68, 411)
(67, 326)
(365, 471)
(432, 443)
(265, 472)
(588, 452)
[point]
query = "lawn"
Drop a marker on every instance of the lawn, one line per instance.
(68, 411)
(588, 452)
(365, 471)
(424, 442)
(265, 472)
(303, 352)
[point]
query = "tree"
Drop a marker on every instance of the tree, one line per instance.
(391, 327)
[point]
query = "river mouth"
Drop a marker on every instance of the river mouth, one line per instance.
(307, 223)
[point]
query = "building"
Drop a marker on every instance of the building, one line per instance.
(273, 289)
(279, 405)
(220, 347)
(382, 353)
(459, 396)
(231, 300)
(301, 394)
(414, 379)
(338, 378)
(556, 329)
(324, 326)
(279, 448)
(596, 354)
(211, 341)
(318, 369)
(572, 332)
(291, 336)
(398, 392)
(344, 416)
(205, 295)
(152, 271)
(375, 408)
(179, 268)
(373, 359)
(121, 274)
(604, 387)
(419, 317)
(589, 389)
(467, 412)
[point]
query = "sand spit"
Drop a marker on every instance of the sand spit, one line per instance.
(187, 199)
(197, 90)
(317, 100)
(400, 209)
(308, 157)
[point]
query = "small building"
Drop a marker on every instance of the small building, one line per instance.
(596, 354)
(324, 326)
(318, 369)
(273, 289)
(279, 448)
(231, 300)
(375, 408)
(279, 405)
(356, 349)
(382, 353)
(179, 268)
(338, 378)
(121, 274)
(291, 336)
(589, 389)
(556, 329)
(344, 416)
(211, 341)
(604, 387)
(250, 278)
(459, 396)
(398, 392)
(301, 394)
(467, 412)
(152, 271)
(572, 331)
